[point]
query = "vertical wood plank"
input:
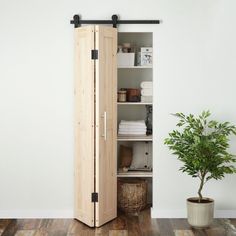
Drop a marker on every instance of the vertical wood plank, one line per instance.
(106, 123)
(84, 124)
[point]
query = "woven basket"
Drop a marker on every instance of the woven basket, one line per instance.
(132, 195)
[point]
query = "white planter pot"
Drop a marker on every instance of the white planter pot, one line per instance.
(200, 215)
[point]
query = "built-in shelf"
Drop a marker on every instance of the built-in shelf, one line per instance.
(135, 174)
(134, 67)
(134, 103)
(134, 138)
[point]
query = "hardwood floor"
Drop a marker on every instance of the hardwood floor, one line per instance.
(124, 225)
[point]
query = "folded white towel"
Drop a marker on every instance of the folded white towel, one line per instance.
(131, 133)
(131, 129)
(146, 84)
(146, 92)
(133, 122)
(132, 125)
(146, 98)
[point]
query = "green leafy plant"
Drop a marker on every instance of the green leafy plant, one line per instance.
(201, 145)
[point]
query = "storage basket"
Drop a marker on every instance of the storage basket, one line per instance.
(132, 195)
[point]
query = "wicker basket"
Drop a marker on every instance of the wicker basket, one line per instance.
(132, 195)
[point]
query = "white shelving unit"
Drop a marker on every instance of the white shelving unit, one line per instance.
(131, 77)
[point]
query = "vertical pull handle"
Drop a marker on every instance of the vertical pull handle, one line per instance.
(105, 125)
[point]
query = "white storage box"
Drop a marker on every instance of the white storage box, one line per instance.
(125, 59)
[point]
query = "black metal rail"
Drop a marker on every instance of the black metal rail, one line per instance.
(77, 22)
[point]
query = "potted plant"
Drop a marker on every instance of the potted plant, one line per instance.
(201, 145)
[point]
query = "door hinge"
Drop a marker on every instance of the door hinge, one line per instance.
(94, 54)
(94, 197)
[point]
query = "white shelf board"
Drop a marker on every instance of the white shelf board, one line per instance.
(134, 103)
(134, 138)
(134, 67)
(135, 174)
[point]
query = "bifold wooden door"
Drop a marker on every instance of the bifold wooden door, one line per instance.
(95, 117)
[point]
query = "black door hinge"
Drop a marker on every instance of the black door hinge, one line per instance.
(94, 197)
(94, 54)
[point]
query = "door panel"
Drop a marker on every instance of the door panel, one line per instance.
(106, 124)
(84, 125)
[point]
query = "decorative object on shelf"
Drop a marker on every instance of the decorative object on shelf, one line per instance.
(142, 156)
(146, 56)
(138, 58)
(132, 128)
(149, 119)
(119, 49)
(202, 145)
(133, 95)
(122, 94)
(126, 47)
(146, 91)
(132, 195)
(126, 156)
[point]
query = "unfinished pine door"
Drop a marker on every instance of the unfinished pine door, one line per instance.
(84, 125)
(95, 117)
(106, 123)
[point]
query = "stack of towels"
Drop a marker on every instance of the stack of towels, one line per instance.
(136, 127)
(146, 91)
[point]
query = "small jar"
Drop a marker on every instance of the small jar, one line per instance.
(133, 95)
(122, 95)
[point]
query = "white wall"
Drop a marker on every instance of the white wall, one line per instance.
(195, 61)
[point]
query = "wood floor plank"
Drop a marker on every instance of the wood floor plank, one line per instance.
(183, 232)
(4, 223)
(119, 223)
(233, 221)
(180, 224)
(11, 228)
(199, 232)
(25, 233)
(227, 225)
(217, 231)
(165, 227)
(41, 232)
(28, 224)
(118, 232)
(75, 227)
(148, 225)
(133, 225)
